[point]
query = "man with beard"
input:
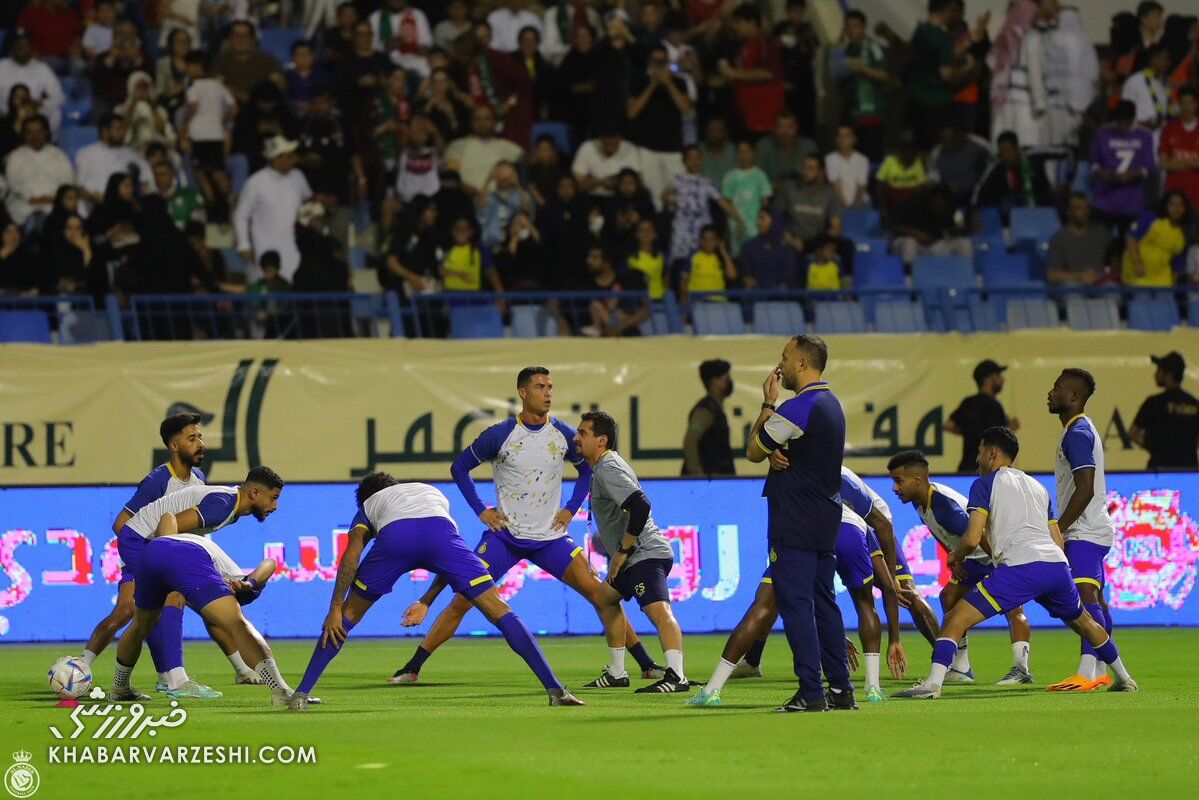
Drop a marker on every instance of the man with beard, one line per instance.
(979, 412)
(706, 448)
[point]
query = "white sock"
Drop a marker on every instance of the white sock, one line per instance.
(269, 672)
(239, 665)
(1088, 666)
(961, 659)
(175, 678)
(1121, 673)
(120, 676)
(674, 660)
(872, 663)
(936, 676)
(89, 657)
(615, 666)
(1020, 655)
(163, 677)
(720, 676)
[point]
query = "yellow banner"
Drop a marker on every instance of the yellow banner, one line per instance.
(333, 410)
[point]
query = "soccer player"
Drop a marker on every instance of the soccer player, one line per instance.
(1015, 515)
(179, 557)
(944, 512)
(1084, 521)
(183, 438)
(641, 557)
(528, 453)
(411, 527)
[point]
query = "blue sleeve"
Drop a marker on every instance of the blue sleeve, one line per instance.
(1140, 227)
(949, 515)
(152, 487)
(1079, 447)
(485, 448)
(203, 478)
(582, 487)
(360, 519)
(786, 423)
(216, 508)
(1049, 505)
(980, 493)
(854, 494)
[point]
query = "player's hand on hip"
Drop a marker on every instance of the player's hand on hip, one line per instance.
(851, 654)
(335, 631)
(779, 460)
(770, 386)
(897, 660)
(494, 519)
(615, 566)
(562, 519)
(415, 615)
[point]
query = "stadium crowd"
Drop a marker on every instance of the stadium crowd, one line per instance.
(637, 145)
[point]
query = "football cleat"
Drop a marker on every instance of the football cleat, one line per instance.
(797, 704)
(744, 670)
(840, 700)
(248, 679)
(297, 702)
(1124, 686)
(655, 673)
(404, 677)
(607, 680)
(1098, 683)
(670, 684)
(126, 694)
(1074, 683)
(957, 676)
(561, 697)
(195, 690)
(1015, 676)
(704, 699)
(875, 695)
(921, 691)
(160, 687)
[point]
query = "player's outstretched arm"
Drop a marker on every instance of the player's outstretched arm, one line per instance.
(972, 538)
(415, 614)
(264, 571)
(347, 568)
(183, 522)
(885, 531)
(896, 659)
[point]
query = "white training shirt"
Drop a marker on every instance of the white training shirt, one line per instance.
(216, 505)
(1081, 447)
(1018, 510)
(402, 501)
(213, 102)
(947, 519)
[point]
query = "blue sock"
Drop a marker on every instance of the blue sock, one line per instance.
(157, 650)
(1107, 652)
(417, 661)
(641, 656)
(171, 623)
(321, 657)
(753, 656)
(1096, 612)
(944, 651)
(525, 646)
(1107, 619)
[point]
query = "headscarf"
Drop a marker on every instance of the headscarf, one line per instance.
(1006, 49)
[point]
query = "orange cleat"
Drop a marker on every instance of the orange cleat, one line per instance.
(1103, 681)
(1074, 683)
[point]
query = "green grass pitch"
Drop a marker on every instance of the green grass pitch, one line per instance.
(478, 727)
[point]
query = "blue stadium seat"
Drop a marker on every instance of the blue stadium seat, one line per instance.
(717, 319)
(1014, 290)
(76, 112)
(1031, 312)
(73, 138)
(990, 236)
(1034, 224)
(83, 327)
(476, 322)
(278, 42)
(943, 272)
(1193, 311)
(532, 322)
(1003, 269)
(875, 270)
(560, 132)
(779, 319)
(871, 245)
(861, 223)
(900, 316)
(1153, 313)
(1092, 313)
(983, 316)
(839, 316)
(24, 326)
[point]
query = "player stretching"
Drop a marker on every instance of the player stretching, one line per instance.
(944, 512)
(182, 436)
(528, 454)
(1015, 513)
(1084, 521)
(181, 558)
(641, 556)
(411, 527)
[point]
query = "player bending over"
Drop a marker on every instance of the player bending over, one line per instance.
(181, 558)
(528, 453)
(411, 528)
(641, 557)
(944, 512)
(1015, 515)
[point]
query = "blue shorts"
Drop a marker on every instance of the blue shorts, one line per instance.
(500, 550)
(130, 545)
(902, 572)
(430, 543)
(645, 580)
(853, 557)
(1009, 587)
(1086, 562)
(174, 565)
(975, 571)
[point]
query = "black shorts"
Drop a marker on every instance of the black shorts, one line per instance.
(208, 156)
(645, 580)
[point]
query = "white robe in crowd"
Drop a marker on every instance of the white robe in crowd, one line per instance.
(266, 218)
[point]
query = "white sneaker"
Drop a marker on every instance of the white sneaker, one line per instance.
(1016, 675)
(1125, 686)
(744, 670)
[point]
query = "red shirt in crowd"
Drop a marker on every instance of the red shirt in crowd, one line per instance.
(1176, 140)
(51, 31)
(760, 102)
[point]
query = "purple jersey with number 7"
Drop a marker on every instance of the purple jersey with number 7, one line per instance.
(1121, 151)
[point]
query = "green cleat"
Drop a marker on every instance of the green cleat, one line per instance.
(705, 699)
(197, 691)
(875, 695)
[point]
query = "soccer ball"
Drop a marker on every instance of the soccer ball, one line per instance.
(70, 678)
